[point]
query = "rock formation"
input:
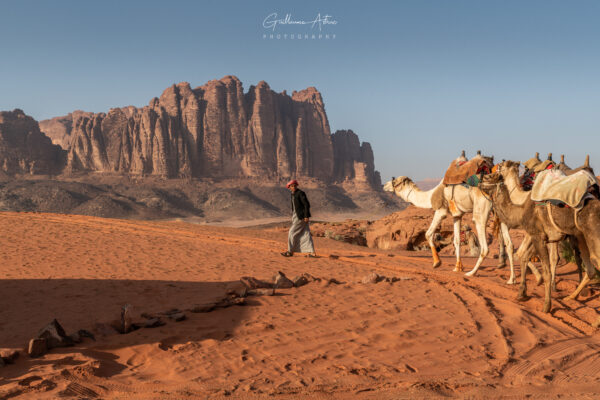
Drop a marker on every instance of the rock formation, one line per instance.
(405, 230)
(24, 149)
(217, 130)
(59, 129)
(353, 161)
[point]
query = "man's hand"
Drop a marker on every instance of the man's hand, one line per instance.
(305, 219)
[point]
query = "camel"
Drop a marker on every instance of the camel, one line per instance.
(546, 224)
(455, 200)
(510, 172)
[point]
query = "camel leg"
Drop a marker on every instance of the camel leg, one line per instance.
(542, 250)
(584, 282)
(502, 243)
(525, 252)
(587, 261)
(439, 215)
(577, 254)
(459, 266)
(505, 238)
(525, 245)
(538, 275)
(553, 252)
(480, 223)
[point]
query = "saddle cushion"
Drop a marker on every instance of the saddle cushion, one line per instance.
(544, 165)
(456, 174)
(553, 184)
(531, 163)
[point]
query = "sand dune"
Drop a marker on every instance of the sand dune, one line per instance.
(433, 333)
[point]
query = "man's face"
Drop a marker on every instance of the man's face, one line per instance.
(293, 188)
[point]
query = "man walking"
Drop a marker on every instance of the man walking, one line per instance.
(299, 237)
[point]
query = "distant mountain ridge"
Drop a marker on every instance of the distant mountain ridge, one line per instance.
(217, 131)
(227, 155)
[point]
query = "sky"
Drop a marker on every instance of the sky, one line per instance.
(420, 80)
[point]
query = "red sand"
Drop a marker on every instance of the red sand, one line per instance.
(434, 333)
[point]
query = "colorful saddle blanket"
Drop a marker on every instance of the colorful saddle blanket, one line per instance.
(458, 173)
(553, 184)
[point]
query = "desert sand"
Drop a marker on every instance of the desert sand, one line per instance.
(432, 333)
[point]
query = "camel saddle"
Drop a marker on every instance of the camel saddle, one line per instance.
(458, 173)
(554, 185)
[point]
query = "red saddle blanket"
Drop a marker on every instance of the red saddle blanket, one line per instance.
(458, 173)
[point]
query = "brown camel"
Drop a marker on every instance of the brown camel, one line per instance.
(510, 172)
(546, 224)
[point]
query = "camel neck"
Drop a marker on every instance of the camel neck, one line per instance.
(412, 194)
(517, 194)
(511, 214)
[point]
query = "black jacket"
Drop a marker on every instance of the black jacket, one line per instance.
(300, 204)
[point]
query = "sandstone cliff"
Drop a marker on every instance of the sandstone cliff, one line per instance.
(217, 130)
(352, 161)
(24, 149)
(59, 129)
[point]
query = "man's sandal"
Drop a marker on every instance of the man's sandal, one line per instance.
(287, 254)
(311, 255)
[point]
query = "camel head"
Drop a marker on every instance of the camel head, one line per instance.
(490, 182)
(396, 183)
(508, 165)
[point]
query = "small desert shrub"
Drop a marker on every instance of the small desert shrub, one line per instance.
(328, 234)
(566, 251)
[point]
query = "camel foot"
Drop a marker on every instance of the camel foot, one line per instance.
(437, 264)
(470, 273)
(522, 297)
(511, 281)
(458, 267)
(540, 280)
(546, 308)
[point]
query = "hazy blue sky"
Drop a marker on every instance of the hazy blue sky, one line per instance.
(420, 80)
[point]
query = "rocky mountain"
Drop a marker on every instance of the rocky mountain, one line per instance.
(26, 150)
(217, 131)
(59, 129)
(352, 161)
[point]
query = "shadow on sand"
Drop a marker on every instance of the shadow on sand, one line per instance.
(26, 306)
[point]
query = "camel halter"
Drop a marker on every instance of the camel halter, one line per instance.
(489, 198)
(409, 192)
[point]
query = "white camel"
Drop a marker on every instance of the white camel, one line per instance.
(457, 200)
